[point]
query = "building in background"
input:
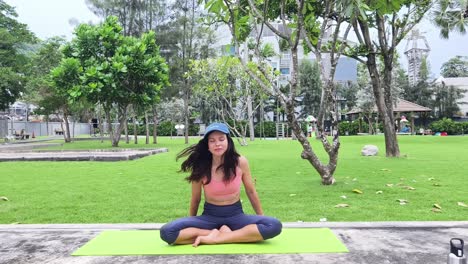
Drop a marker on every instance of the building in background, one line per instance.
(417, 49)
(461, 83)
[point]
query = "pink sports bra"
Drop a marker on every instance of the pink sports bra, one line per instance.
(219, 189)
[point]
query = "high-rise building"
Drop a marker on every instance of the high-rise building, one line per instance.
(416, 51)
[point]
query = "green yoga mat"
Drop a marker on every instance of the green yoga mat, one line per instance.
(147, 242)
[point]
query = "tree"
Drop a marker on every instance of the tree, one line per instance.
(12, 63)
(117, 70)
(65, 78)
(38, 87)
(390, 21)
(135, 16)
(296, 21)
(450, 16)
(446, 99)
(455, 67)
(226, 86)
(365, 99)
(310, 88)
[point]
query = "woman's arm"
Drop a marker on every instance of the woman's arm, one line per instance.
(196, 197)
(249, 186)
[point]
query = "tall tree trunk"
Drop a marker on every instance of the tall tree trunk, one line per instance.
(325, 170)
(135, 129)
(147, 128)
(155, 125)
(127, 139)
(391, 144)
(66, 129)
(110, 129)
(122, 116)
(251, 118)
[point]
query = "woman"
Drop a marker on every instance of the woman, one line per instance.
(216, 168)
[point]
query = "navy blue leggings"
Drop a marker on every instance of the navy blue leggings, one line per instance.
(215, 216)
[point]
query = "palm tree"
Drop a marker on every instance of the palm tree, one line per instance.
(451, 16)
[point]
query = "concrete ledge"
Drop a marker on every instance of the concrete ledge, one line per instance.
(356, 225)
(87, 155)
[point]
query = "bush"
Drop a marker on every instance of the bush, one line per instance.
(443, 125)
(449, 126)
(269, 128)
(165, 128)
(352, 127)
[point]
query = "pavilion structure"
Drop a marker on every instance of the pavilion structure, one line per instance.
(402, 110)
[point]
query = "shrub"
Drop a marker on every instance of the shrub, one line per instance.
(165, 128)
(352, 127)
(269, 128)
(443, 125)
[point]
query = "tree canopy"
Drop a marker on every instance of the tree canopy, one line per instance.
(13, 35)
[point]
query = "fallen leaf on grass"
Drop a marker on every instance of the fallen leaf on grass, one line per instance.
(292, 194)
(343, 196)
(341, 205)
(430, 179)
(3, 198)
(402, 201)
(385, 170)
(389, 184)
(437, 206)
(462, 204)
(435, 210)
(378, 192)
(436, 184)
(357, 191)
(409, 188)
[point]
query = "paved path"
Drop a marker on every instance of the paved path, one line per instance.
(368, 242)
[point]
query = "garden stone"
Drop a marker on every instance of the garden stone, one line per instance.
(369, 150)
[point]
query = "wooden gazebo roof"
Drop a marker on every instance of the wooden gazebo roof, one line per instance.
(401, 106)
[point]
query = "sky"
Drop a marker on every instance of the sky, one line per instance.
(48, 18)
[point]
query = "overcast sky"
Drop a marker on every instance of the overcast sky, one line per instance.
(48, 18)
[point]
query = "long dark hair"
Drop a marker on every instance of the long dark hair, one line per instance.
(200, 160)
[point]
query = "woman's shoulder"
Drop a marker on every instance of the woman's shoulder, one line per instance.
(243, 162)
(242, 159)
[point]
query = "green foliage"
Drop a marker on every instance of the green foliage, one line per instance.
(352, 128)
(455, 67)
(13, 64)
(268, 129)
(10, 86)
(450, 16)
(449, 126)
(221, 87)
(164, 129)
(445, 100)
(310, 88)
(48, 56)
(117, 70)
(265, 129)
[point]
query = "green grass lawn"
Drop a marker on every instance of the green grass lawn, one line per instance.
(151, 190)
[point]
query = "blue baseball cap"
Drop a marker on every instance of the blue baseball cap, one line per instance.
(217, 127)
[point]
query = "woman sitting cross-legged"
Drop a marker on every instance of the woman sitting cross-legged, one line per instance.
(216, 168)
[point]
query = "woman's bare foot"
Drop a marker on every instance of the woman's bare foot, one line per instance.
(208, 240)
(225, 229)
